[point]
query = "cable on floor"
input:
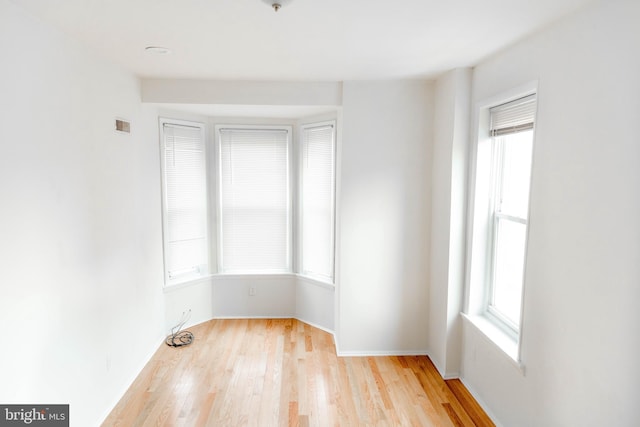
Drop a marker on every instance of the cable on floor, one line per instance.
(178, 337)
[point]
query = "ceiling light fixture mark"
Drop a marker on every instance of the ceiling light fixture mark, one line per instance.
(276, 4)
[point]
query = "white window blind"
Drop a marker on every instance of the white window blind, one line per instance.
(185, 200)
(318, 200)
(254, 205)
(514, 116)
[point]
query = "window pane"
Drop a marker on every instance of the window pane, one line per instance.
(318, 183)
(187, 257)
(516, 172)
(254, 200)
(509, 269)
(185, 186)
(185, 200)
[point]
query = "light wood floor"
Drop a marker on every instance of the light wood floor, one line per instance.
(286, 373)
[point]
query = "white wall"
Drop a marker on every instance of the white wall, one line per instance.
(315, 303)
(581, 329)
(449, 178)
(275, 296)
(385, 217)
(81, 289)
(194, 299)
(229, 92)
(228, 296)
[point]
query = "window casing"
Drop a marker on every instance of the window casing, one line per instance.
(501, 216)
(511, 130)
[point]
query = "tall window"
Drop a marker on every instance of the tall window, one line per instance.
(318, 200)
(254, 200)
(511, 132)
(184, 200)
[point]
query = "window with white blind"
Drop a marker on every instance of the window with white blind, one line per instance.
(317, 196)
(511, 131)
(254, 201)
(500, 218)
(186, 247)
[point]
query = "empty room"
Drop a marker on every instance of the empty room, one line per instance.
(320, 213)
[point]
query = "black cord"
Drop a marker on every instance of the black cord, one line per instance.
(178, 337)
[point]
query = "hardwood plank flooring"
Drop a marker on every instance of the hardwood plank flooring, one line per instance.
(282, 372)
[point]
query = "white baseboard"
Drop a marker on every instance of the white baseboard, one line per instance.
(482, 404)
(382, 353)
(443, 373)
(131, 380)
(451, 376)
(249, 317)
(322, 328)
(315, 325)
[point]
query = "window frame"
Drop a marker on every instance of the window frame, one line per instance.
(496, 216)
(211, 143)
(481, 228)
(300, 229)
(218, 205)
(194, 276)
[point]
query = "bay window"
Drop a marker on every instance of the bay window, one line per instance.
(248, 171)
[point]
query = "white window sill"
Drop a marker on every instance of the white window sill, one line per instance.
(184, 282)
(258, 275)
(315, 280)
(191, 280)
(496, 336)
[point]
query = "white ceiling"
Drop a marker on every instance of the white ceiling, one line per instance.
(307, 40)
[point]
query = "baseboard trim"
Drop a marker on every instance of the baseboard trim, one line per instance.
(315, 325)
(451, 376)
(382, 353)
(130, 382)
(248, 317)
(482, 404)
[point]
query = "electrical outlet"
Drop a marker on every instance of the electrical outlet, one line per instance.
(252, 291)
